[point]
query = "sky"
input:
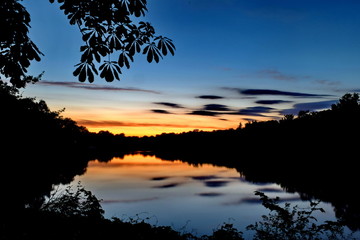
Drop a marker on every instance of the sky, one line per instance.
(236, 61)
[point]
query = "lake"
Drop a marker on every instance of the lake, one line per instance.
(196, 199)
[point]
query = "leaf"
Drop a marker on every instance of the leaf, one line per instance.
(117, 68)
(138, 48)
(83, 48)
(171, 47)
(78, 69)
(121, 60)
(116, 75)
(156, 57)
(103, 72)
(150, 55)
(90, 75)
(93, 68)
(127, 63)
(97, 56)
(163, 50)
(146, 49)
(82, 76)
(109, 77)
(102, 66)
(86, 36)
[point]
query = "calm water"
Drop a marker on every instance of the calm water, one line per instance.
(193, 199)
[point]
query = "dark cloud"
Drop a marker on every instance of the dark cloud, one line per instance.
(216, 183)
(210, 97)
(310, 106)
(160, 111)
(204, 178)
(159, 178)
(255, 111)
(214, 110)
(170, 185)
(257, 92)
(90, 86)
(216, 107)
(271, 102)
(204, 113)
(254, 200)
(168, 104)
(210, 194)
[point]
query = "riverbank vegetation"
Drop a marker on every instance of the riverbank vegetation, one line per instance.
(77, 214)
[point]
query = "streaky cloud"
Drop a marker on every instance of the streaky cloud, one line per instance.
(159, 178)
(328, 82)
(254, 200)
(310, 106)
(170, 185)
(214, 110)
(204, 113)
(169, 104)
(216, 183)
(260, 92)
(89, 86)
(277, 75)
(255, 111)
(160, 111)
(216, 107)
(212, 97)
(204, 178)
(210, 194)
(113, 123)
(271, 102)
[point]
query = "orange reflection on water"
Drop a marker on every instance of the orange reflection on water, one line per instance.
(173, 191)
(151, 167)
(139, 172)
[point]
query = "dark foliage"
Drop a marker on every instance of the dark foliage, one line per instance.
(111, 39)
(16, 48)
(294, 223)
(39, 148)
(78, 215)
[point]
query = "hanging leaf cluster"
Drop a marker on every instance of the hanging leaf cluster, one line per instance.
(111, 39)
(16, 48)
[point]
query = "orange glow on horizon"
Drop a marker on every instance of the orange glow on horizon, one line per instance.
(142, 123)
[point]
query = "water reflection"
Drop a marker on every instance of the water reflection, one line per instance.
(175, 193)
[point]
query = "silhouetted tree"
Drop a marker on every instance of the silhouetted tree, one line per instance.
(348, 102)
(294, 223)
(106, 27)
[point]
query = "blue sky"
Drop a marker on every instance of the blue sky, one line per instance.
(236, 61)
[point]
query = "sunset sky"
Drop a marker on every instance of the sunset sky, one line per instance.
(235, 61)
